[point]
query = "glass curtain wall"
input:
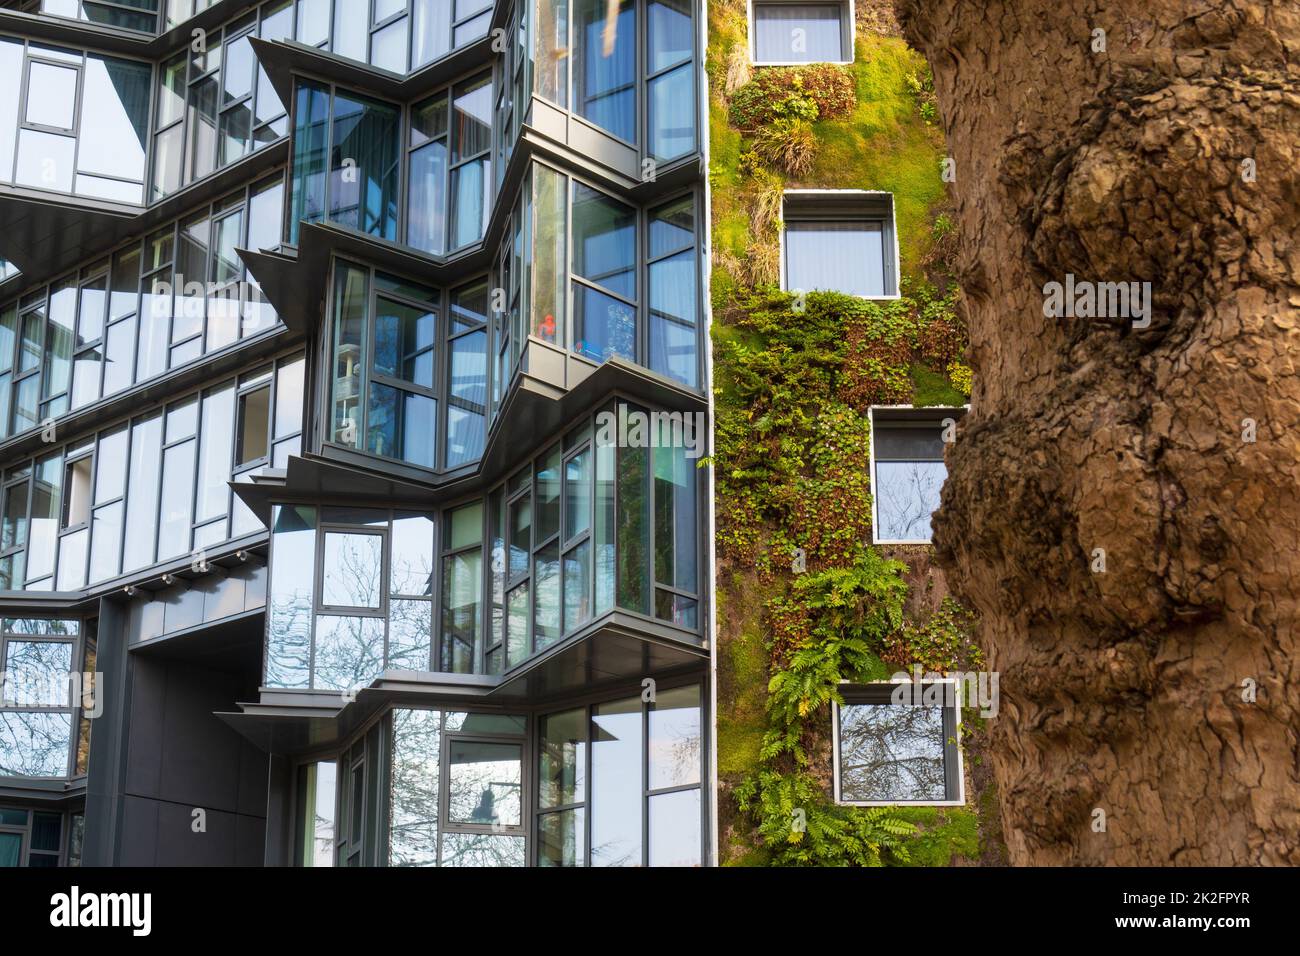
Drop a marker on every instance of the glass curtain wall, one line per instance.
(164, 475)
(590, 57)
(148, 308)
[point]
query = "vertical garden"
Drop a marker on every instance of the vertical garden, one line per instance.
(805, 600)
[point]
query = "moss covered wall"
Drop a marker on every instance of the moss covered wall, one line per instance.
(803, 599)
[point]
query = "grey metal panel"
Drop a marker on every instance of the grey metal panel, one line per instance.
(145, 728)
(200, 757)
(139, 835)
(601, 147)
(179, 845)
(183, 608)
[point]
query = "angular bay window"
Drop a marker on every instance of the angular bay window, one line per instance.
(456, 789)
(450, 176)
(590, 57)
(908, 470)
(350, 595)
(389, 340)
(216, 105)
(840, 241)
(628, 773)
(612, 313)
(804, 31)
(346, 152)
(898, 743)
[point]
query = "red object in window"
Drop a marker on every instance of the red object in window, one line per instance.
(547, 327)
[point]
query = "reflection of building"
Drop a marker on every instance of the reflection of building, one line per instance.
(324, 318)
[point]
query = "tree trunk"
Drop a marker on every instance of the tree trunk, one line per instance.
(1169, 452)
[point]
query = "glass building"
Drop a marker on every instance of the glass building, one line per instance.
(353, 389)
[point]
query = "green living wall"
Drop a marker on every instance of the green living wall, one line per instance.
(804, 600)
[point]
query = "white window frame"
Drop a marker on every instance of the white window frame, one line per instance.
(871, 421)
(849, 195)
(848, 32)
(956, 746)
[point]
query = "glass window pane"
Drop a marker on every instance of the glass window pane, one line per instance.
(485, 783)
(549, 252)
(351, 294)
(798, 33)
(404, 339)
(480, 850)
(465, 527)
(562, 838)
(349, 652)
(427, 205)
(671, 38)
(363, 189)
(470, 196)
(58, 341)
(616, 783)
(412, 558)
(604, 69)
(563, 774)
(310, 155)
(675, 829)
(517, 617)
(318, 812)
(672, 113)
(11, 78)
(214, 455)
(675, 748)
(36, 673)
(238, 70)
(313, 21)
(35, 744)
(388, 47)
(105, 542)
(410, 633)
(843, 257)
(675, 520)
(604, 241)
(47, 500)
(907, 494)
(254, 422)
(603, 327)
(413, 834)
(577, 586)
(673, 337)
(110, 471)
(142, 493)
(577, 490)
(401, 425)
(177, 501)
(201, 126)
(462, 619)
(289, 598)
(892, 752)
(633, 530)
(432, 31)
(352, 566)
(351, 29)
(51, 95)
(115, 118)
(90, 320)
(546, 627)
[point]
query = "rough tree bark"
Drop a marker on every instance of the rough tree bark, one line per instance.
(1123, 691)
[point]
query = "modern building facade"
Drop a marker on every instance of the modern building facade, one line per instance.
(353, 384)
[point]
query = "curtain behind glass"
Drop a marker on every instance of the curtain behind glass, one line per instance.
(819, 39)
(843, 257)
(604, 76)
